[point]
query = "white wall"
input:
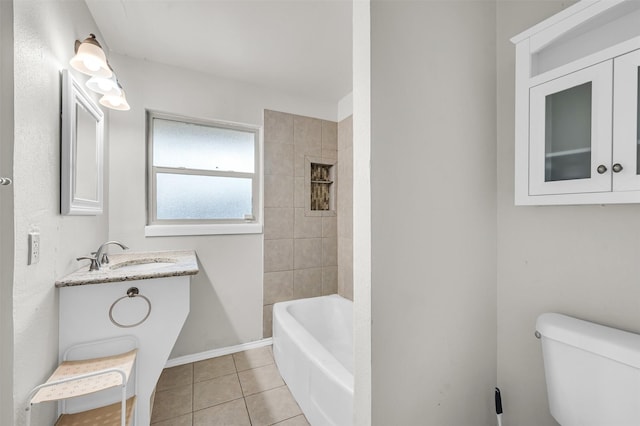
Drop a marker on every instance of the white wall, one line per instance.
(6, 213)
(44, 33)
(226, 296)
(577, 260)
(433, 214)
(345, 107)
(361, 130)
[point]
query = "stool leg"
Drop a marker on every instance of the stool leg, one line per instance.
(123, 408)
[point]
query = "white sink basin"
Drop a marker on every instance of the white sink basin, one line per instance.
(142, 265)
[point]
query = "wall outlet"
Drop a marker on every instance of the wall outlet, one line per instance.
(34, 248)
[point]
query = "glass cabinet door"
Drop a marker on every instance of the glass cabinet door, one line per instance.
(626, 122)
(570, 133)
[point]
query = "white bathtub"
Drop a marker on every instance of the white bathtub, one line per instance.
(313, 349)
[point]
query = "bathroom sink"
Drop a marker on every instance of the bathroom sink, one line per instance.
(142, 265)
(132, 266)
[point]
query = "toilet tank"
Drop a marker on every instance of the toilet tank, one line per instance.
(592, 372)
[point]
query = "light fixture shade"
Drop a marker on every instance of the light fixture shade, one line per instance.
(116, 102)
(90, 59)
(105, 86)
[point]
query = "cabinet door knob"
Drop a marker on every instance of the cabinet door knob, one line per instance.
(602, 169)
(617, 168)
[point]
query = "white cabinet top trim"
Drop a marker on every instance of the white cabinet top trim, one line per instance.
(568, 19)
(579, 34)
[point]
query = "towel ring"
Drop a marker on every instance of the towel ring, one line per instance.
(131, 292)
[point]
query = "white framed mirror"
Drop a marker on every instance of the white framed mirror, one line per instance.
(82, 151)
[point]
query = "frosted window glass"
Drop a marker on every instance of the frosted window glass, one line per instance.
(195, 146)
(202, 197)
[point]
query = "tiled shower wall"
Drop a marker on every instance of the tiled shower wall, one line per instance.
(345, 208)
(300, 251)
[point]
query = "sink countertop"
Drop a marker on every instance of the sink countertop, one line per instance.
(121, 268)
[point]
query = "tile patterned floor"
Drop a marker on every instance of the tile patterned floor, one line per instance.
(243, 389)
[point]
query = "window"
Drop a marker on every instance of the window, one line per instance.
(203, 177)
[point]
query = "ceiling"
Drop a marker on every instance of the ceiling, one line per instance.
(300, 47)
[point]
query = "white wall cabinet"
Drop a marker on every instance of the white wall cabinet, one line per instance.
(570, 132)
(626, 124)
(577, 107)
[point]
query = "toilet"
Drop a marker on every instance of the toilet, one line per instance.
(592, 372)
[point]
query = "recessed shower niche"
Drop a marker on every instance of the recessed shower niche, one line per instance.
(320, 187)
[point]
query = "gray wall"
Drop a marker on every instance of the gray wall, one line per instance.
(44, 33)
(433, 179)
(577, 260)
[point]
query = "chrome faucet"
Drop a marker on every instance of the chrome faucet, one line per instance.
(102, 258)
(99, 258)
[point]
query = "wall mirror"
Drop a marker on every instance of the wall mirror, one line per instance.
(82, 153)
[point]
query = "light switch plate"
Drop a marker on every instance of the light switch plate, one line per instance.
(34, 248)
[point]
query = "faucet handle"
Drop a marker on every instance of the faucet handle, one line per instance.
(104, 260)
(94, 263)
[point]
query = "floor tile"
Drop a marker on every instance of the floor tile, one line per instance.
(233, 413)
(260, 379)
(216, 391)
(253, 358)
(212, 368)
(272, 406)
(172, 403)
(175, 376)
(176, 421)
(210, 392)
(300, 420)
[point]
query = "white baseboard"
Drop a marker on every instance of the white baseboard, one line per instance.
(186, 359)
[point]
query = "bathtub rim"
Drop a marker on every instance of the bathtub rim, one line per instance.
(309, 345)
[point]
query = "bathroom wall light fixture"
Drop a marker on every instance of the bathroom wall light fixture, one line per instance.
(114, 101)
(90, 58)
(104, 85)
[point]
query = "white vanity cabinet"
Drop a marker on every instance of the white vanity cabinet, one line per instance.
(143, 294)
(577, 106)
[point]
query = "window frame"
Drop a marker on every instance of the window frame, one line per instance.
(169, 227)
